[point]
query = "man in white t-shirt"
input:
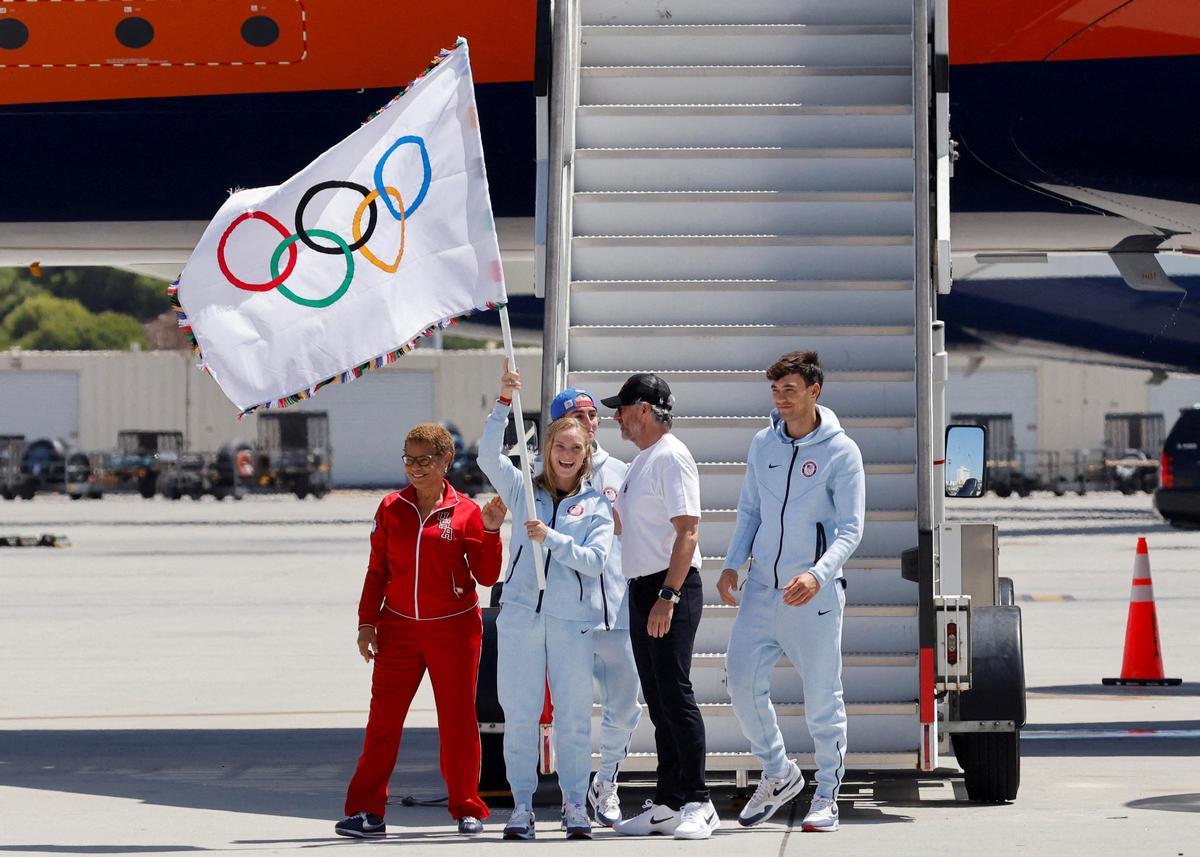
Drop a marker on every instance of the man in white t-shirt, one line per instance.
(658, 510)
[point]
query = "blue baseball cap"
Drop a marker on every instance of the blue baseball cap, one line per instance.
(570, 399)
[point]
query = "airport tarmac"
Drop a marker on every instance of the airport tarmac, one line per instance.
(184, 679)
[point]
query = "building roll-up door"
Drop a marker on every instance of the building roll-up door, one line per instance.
(40, 404)
(367, 423)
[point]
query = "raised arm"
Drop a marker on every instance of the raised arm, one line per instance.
(505, 478)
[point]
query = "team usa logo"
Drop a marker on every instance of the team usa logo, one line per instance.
(446, 525)
(611, 494)
(576, 510)
(809, 468)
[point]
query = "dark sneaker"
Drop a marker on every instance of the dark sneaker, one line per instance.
(361, 825)
(470, 824)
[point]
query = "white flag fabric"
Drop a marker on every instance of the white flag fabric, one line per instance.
(340, 269)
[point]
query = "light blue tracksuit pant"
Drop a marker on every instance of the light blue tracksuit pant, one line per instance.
(811, 637)
(617, 678)
(530, 647)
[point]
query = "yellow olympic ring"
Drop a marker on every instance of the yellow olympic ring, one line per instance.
(357, 228)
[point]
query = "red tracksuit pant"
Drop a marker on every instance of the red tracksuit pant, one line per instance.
(449, 649)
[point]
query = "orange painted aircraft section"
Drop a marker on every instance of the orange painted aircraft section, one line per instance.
(993, 31)
(72, 52)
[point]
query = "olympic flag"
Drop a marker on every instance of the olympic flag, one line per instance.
(342, 268)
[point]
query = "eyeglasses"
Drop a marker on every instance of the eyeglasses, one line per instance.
(419, 461)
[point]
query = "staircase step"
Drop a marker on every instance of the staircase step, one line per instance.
(677, 257)
(729, 44)
(742, 302)
(752, 347)
(865, 678)
(898, 761)
(887, 629)
(886, 532)
(863, 585)
(748, 392)
(745, 84)
(734, 125)
(887, 439)
(889, 486)
(737, 169)
(872, 726)
(743, 212)
(748, 12)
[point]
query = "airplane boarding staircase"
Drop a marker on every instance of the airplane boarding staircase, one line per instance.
(738, 182)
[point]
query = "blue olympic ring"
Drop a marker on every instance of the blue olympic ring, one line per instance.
(425, 179)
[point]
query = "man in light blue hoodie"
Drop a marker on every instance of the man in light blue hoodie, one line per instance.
(800, 517)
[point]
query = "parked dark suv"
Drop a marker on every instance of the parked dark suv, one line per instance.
(1178, 496)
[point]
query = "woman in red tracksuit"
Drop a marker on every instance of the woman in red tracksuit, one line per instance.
(419, 611)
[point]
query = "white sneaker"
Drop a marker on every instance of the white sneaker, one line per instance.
(822, 816)
(576, 822)
(654, 820)
(603, 798)
(697, 820)
(771, 794)
(520, 824)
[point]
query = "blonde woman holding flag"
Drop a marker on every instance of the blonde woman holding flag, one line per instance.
(544, 631)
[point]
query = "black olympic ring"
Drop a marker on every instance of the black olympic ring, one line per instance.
(307, 198)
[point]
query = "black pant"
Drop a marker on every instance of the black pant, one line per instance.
(664, 666)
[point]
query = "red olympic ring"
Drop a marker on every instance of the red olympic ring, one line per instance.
(256, 287)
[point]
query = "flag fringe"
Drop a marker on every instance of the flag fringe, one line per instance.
(356, 372)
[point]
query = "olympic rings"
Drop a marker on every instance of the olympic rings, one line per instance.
(276, 278)
(426, 177)
(308, 197)
(338, 292)
(387, 193)
(356, 226)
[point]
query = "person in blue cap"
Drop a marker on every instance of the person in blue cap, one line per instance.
(613, 666)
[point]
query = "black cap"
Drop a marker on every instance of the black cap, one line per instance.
(643, 387)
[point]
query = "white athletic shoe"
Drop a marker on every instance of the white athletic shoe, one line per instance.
(603, 798)
(697, 820)
(771, 794)
(520, 824)
(654, 820)
(822, 816)
(576, 822)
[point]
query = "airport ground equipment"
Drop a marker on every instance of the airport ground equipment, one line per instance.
(736, 181)
(12, 449)
(293, 454)
(1178, 496)
(137, 461)
(46, 465)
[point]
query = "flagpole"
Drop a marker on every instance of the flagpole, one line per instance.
(522, 447)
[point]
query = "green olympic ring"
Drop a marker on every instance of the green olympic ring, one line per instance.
(314, 302)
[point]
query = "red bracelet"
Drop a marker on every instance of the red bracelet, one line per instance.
(503, 400)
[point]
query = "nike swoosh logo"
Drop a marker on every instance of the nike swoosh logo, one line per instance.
(585, 630)
(783, 788)
(654, 820)
(822, 612)
(773, 466)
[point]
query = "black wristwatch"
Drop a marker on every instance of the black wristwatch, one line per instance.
(669, 594)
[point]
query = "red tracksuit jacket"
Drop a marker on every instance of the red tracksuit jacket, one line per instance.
(427, 569)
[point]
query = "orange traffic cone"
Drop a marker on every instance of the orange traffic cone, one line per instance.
(1143, 656)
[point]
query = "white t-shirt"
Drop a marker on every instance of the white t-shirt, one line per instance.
(662, 483)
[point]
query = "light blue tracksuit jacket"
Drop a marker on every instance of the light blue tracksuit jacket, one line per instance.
(801, 509)
(547, 634)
